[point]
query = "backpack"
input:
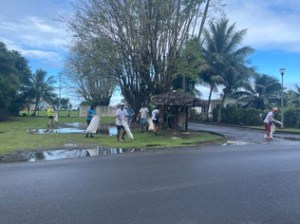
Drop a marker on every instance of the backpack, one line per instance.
(263, 117)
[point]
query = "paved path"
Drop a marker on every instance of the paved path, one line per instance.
(246, 135)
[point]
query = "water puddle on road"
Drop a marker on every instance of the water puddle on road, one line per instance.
(236, 143)
(63, 154)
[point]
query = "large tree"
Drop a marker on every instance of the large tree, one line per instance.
(226, 60)
(147, 36)
(14, 75)
(88, 69)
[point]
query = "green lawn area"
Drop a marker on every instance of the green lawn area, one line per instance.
(15, 136)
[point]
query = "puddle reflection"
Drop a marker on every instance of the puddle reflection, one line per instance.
(110, 130)
(236, 143)
(76, 153)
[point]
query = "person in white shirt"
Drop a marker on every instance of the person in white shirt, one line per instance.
(155, 120)
(143, 117)
(269, 122)
(121, 115)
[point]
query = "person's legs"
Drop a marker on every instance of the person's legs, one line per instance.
(87, 124)
(267, 129)
(118, 132)
(129, 121)
(124, 133)
(51, 122)
(272, 130)
(156, 126)
(142, 123)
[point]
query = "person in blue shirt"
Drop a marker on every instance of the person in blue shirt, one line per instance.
(130, 115)
(90, 114)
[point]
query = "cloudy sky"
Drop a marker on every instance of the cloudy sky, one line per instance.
(32, 27)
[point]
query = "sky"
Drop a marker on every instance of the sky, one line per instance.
(33, 28)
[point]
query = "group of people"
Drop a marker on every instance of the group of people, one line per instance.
(126, 115)
(143, 118)
(146, 121)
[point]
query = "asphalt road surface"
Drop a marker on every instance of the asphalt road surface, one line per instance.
(257, 182)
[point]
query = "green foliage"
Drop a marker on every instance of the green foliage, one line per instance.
(252, 116)
(239, 116)
(264, 94)
(41, 87)
(225, 62)
(145, 39)
(14, 75)
(292, 117)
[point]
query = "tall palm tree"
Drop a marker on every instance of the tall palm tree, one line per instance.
(209, 77)
(41, 87)
(227, 61)
(263, 94)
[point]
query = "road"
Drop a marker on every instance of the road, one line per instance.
(252, 183)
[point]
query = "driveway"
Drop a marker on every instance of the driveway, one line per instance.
(242, 135)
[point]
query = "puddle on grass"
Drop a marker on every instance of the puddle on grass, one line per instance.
(110, 130)
(63, 154)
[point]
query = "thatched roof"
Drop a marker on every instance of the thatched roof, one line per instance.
(178, 99)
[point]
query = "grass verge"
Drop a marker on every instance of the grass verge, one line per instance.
(15, 136)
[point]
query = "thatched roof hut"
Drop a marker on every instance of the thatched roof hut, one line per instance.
(178, 99)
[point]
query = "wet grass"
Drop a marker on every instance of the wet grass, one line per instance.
(14, 136)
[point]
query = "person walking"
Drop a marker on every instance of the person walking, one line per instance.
(121, 115)
(155, 120)
(269, 122)
(130, 113)
(143, 117)
(50, 114)
(91, 112)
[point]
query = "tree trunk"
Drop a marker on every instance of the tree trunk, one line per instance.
(203, 19)
(209, 100)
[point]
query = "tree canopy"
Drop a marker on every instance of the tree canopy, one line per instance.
(14, 74)
(145, 39)
(225, 62)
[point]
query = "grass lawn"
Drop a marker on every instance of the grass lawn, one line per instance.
(15, 136)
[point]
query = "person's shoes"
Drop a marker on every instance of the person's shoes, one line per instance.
(91, 136)
(123, 138)
(86, 136)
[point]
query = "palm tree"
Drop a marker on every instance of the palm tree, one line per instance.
(226, 60)
(209, 77)
(263, 94)
(293, 97)
(41, 87)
